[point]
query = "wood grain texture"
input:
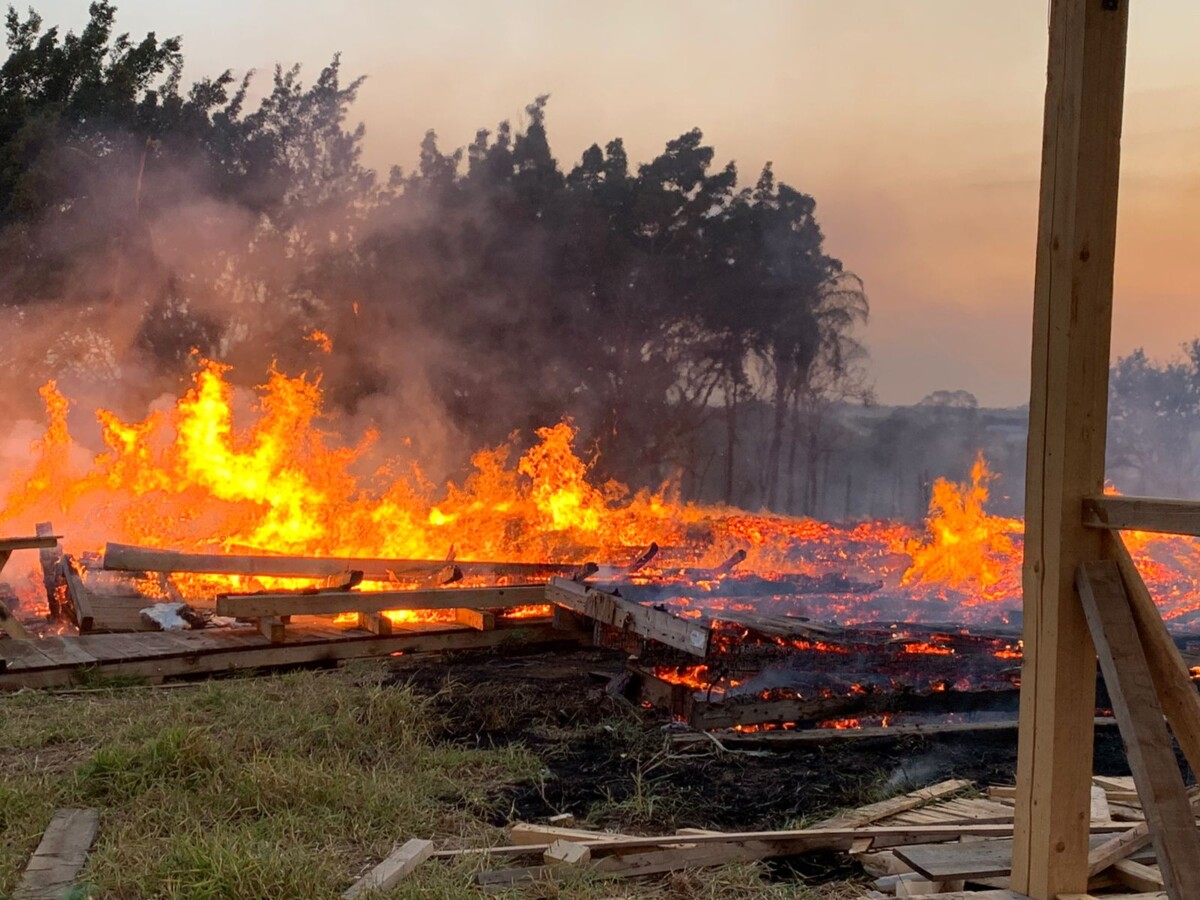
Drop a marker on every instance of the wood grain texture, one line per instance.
(1169, 816)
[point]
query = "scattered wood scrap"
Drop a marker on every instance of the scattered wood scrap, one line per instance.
(874, 812)
(401, 863)
(60, 856)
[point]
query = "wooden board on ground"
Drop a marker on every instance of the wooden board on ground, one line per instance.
(971, 860)
(399, 865)
(60, 856)
(873, 812)
(627, 616)
(1147, 742)
(328, 603)
(160, 655)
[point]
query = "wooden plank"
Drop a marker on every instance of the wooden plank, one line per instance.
(78, 596)
(969, 860)
(376, 623)
(525, 834)
(1152, 514)
(1099, 809)
(1147, 743)
(873, 812)
(978, 859)
(1172, 680)
(798, 840)
(60, 856)
(1137, 875)
(65, 651)
(567, 853)
(128, 558)
(246, 652)
(328, 603)
(10, 625)
(624, 615)
(401, 863)
(1072, 318)
(28, 543)
(479, 619)
(271, 627)
(50, 558)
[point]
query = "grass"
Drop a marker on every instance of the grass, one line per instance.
(283, 787)
(277, 787)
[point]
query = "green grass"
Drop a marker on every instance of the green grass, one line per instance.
(290, 787)
(274, 787)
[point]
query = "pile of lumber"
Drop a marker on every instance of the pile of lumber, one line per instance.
(947, 840)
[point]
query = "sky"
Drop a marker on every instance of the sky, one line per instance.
(916, 125)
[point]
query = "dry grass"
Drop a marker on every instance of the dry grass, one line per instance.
(281, 787)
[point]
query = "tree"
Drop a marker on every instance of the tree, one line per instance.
(1154, 416)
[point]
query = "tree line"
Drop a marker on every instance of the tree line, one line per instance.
(490, 287)
(693, 325)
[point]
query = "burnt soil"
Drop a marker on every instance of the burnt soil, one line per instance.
(611, 763)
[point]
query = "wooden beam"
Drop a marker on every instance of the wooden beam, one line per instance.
(1072, 318)
(1172, 680)
(128, 558)
(51, 560)
(1118, 847)
(1142, 514)
(78, 596)
(376, 623)
(29, 543)
(60, 856)
(479, 619)
(399, 865)
(328, 603)
(10, 625)
(1147, 742)
(625, 615)
(567, 853)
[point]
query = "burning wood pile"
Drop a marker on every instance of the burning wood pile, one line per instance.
(735, 620)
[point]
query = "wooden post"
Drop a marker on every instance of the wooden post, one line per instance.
(1131, 689)
(1072, 319)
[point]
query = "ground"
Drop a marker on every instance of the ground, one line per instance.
(292, 785)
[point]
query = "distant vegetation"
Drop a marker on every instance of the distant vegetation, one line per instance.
(692, 325)
(491, 287)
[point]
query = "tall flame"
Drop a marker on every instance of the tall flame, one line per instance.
(216, 472)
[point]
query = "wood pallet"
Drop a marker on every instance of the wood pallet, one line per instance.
(155, 657)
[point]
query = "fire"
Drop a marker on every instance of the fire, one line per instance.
(928, 649)
(323, 341)
(266, 472)
(967, 549)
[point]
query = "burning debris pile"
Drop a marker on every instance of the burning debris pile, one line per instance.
(798, 621)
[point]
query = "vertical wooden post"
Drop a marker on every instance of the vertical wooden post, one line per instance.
(1068, 409)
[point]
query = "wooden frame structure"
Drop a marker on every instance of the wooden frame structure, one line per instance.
(1082, 594)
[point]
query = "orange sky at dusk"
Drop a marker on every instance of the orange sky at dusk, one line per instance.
(915, 124)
